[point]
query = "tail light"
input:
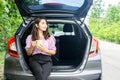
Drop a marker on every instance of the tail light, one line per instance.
(94, 48)
(12, 47)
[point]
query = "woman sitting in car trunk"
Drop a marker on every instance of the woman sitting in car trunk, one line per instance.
(40, 45)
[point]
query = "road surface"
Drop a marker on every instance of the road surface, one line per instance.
(110, 54)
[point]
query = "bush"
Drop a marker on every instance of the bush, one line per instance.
(8, 26)
(9, 21)
(109, 32)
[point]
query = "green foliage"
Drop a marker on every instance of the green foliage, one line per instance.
(1, 64)
(9, 21)
(111, 32)
(1, 7)
(108, 26)
(2, 58)
(113, 14)
(97, 10)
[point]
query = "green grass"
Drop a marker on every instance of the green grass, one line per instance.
(2, 53)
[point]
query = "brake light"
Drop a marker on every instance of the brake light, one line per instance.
(94, 48)
(12, 47)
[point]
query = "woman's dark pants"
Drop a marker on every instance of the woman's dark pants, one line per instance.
(41, 69)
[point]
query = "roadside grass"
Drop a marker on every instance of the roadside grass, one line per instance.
(2, 53)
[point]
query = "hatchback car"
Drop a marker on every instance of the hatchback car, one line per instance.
(77, 56)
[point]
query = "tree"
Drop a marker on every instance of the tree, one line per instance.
(9, 21)
(97, 10)
(113, 13)
(107, 26)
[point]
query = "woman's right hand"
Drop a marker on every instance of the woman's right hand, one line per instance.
(30, 50)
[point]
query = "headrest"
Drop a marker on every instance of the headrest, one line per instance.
(67, 28)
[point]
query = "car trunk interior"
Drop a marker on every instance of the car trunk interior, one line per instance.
(70, 44)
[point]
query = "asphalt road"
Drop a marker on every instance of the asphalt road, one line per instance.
(110, 54)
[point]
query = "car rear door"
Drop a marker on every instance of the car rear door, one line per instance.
(76, 7)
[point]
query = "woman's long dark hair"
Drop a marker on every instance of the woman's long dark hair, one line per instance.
(35, 33)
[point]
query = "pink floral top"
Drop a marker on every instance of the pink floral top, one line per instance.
(49, 44)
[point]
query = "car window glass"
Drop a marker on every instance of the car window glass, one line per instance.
(57, 29)
(75, 3)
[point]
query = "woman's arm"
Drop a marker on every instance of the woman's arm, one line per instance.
(44, 49)
(51, 52)
(30, 50)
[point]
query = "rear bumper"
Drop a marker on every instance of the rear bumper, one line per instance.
(86, 75)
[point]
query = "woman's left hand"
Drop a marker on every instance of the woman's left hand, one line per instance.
(40, 46)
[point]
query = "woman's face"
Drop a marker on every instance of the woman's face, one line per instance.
(42, 25)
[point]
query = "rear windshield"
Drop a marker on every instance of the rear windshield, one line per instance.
(74, 3)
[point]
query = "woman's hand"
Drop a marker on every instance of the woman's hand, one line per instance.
(40, 46)
(30, 50)
(33, 43)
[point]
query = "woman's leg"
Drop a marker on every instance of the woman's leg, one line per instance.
(36, 69)
(46, 70)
